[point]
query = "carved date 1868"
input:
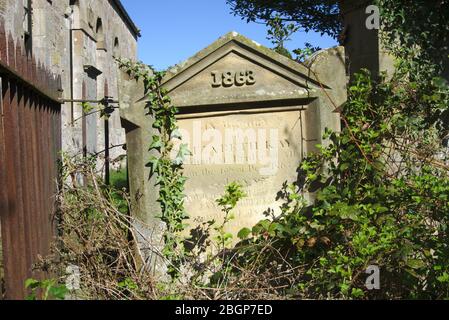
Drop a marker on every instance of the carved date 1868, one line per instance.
(229, 79)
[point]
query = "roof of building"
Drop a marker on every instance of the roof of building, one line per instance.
(117, 4)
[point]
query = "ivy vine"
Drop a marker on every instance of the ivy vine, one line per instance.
(169, 173)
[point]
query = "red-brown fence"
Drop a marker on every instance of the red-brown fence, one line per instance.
(30, 143)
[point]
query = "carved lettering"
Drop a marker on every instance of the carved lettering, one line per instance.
(230, 79)
(216, 80)
(251, 78)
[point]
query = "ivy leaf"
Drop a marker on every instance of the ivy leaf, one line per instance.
(244, 234)
(153, 164)
(344, 167)
(176, 134)
(32, 284)
(87, 107)
(357, 293)
(416, 264)
(157, 144)
(227, 236)
(182, 154)
(58, 292)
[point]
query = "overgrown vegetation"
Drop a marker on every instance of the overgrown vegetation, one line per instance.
(381, 186)
(168, 171)
(48, 289)
(96, 237)
(381, 189)
(119, 179)
(418, 33)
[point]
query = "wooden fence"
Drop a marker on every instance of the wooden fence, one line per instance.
(30, 144)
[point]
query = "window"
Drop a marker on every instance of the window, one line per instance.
(27, 25)
(100, 36)
(116, 51)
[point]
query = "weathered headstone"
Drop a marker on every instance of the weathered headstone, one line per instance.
(248, 115)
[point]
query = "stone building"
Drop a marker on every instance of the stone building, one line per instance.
(78, 39)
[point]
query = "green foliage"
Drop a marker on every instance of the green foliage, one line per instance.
(279, 33)
(49, 289)
(418, 32)
(321, 16)
(381, 199)
(87, 107)
(128, 285)
(377, 194)
(119, 179)
(167, 294)
(302, 54)
(119, 186)
(213, 273)
(233, 194)
(379, 190)
(96, 237)
(170, 179)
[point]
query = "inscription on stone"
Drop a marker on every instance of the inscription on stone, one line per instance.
(229, 79)
(261, 151)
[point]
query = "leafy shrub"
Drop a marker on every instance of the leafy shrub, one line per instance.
(381, 192)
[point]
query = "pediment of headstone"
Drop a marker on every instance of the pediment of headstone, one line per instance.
(236, 70)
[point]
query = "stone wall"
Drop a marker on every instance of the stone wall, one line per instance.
(79, 39)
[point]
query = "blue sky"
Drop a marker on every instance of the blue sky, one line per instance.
(174, 30)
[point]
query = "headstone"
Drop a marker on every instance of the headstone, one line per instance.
(248, 114)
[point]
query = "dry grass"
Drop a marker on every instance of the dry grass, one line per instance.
(96, 237)
(257, 280)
